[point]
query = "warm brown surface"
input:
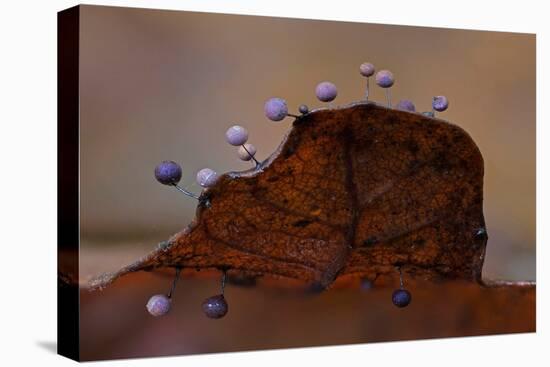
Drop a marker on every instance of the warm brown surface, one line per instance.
(115, 323)
(355, 190)
(159, 85)
(407, 191)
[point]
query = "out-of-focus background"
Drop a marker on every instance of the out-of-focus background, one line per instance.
(159, 85)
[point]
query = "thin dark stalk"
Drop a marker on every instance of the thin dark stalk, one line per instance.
(178, 271)
(184, 191)
(224, 275)
(251, 156)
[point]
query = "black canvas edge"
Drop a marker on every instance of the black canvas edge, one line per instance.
(68, 243)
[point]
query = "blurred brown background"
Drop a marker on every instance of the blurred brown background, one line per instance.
(159, 85)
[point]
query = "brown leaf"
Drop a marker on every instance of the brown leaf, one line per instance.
(358, 190)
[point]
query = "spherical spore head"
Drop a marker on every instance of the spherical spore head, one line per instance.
(366, 69)
(405, 105)
(158, 305)
(440, 103)
(326, 91)
(303, 109)
(384, 78)
(207, 177)
(168, 173)
(236, 135)
(401, 297)
(215, 307)
(243, 154)
(275, 109)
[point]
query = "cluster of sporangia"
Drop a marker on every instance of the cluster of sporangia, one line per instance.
(276, 109)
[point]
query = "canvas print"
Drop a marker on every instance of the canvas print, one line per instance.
(234, 183)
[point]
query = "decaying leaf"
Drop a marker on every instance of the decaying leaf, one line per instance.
(357, 190)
